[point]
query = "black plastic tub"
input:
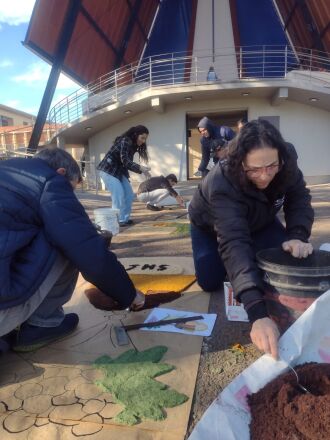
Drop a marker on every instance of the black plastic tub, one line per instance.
(292, 284)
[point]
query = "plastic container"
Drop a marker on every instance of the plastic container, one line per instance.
(107, 219)
(291, 284)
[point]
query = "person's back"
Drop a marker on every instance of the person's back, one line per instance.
(158, 192)
(23, 243)
(156, 182)
(46, 237)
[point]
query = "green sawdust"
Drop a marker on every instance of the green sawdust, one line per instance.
(181, 229)
(129, 378)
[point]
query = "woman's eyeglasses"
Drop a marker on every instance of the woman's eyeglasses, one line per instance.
(257, 172)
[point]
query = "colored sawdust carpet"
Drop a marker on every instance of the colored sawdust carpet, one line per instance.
(181, 229)
(130, 379)
(162, 283)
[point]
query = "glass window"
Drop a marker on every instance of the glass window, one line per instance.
(5, 121)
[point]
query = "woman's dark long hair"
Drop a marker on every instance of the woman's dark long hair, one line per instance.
(133, 134)
(259, 134)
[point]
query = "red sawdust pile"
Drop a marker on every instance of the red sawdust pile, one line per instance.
(281, 411)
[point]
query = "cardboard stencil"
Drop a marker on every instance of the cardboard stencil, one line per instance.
(52, 393)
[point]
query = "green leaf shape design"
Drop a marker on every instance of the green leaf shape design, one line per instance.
(129, 378)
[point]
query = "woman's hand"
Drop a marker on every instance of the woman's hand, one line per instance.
(139, 301)
(297, 248)
(264, 334)
(145, 171)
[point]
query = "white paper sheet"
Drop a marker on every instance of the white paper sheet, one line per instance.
(307, 340)
(201, 327)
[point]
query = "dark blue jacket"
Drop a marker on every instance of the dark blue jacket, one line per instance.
(39, 217)
(218, 135)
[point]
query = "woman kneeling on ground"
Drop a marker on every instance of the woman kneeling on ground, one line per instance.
(233, 215)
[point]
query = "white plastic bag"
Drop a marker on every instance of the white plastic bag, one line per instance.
(307, 340)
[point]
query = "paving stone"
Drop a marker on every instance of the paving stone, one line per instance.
(93, 406)
(110, 410)
(87, 391)
(67, 398)
(48, 431)
(68, 414)
(54, 385)
(13, 403)
(28, 390)
(74, 383)
(92, 374)
(42, 422)
(37, 404)
(18, 422)
(85, 428)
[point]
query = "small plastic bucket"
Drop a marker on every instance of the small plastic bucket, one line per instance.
(107, 219)
(292, 284)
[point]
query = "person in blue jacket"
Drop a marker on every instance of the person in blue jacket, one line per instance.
(213, 138)
(46, 239)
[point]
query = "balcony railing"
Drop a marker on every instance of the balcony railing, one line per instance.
(245, 64)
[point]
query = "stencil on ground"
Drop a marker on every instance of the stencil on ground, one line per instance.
(129, 378)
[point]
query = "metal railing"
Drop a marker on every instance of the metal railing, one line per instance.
(244, 64)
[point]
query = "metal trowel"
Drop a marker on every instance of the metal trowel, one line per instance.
(121, 331)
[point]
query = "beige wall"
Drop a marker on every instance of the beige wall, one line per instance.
(17, 118)
(306, 127)
(225, 64)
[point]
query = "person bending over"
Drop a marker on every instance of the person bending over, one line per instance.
(213, 137)
(116, 164)
(46, 238)
(158, 191)
(233, 215)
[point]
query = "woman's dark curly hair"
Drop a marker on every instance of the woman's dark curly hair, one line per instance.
(259, 134)
(133, 134)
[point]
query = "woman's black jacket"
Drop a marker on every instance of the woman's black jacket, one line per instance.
(232, 212)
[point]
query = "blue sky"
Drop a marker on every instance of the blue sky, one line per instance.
(23, 75)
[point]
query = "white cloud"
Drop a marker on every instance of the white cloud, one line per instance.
(15, 12)
(66, 83)
(39, 73)
(17, 104)
(6, 63)
(14, 103)
(36, 72)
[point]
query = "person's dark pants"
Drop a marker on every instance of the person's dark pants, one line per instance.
(209, 268)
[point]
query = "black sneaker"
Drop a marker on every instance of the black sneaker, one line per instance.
(153, 207)
(126, 223)
(30, 337)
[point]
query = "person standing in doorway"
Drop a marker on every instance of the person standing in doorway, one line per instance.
(114, 169)
(240, 124)
(213, 137)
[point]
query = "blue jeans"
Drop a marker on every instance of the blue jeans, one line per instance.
(122, 194)
(209, 268)
(44, 307)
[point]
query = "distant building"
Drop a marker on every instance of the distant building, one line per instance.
(15, 131)
(10, 117)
